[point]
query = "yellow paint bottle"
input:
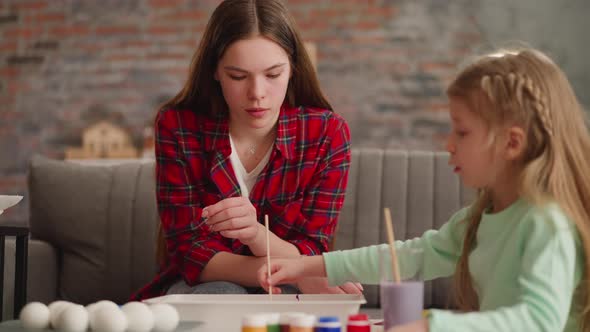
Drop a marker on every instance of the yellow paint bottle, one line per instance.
(254, 323)
(302, 323)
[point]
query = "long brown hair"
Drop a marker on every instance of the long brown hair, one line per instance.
(234, 20)
(231, 21)
(526, 88)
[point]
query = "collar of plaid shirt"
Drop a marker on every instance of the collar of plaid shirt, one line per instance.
(217, 134)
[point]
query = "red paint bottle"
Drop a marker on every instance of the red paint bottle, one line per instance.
(358, 323)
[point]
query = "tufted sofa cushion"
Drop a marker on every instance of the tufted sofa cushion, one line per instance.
(101, 219)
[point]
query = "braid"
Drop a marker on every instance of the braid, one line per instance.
(528, 95)
(538, 102)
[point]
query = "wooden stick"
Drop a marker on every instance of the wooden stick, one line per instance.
(391, 238)
(268, 252)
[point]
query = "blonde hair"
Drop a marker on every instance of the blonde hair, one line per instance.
(527, 89)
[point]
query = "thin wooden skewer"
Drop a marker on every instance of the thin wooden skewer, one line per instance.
(268, 253)
(391, 238)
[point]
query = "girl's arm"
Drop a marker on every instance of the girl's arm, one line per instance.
(431, 256)
(238, 269)
(290, 270)
(279, 247)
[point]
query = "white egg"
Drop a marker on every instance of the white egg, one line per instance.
(73, 318)
(108, 319)
(35, 315)
(100, 304)
(55, 308)
(139, 317)
(165, 317)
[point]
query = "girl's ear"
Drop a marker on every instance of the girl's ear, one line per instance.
(515, 144)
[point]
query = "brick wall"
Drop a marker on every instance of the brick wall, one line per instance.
(382, 63)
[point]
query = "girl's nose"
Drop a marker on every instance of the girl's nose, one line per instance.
(256, 90)
(450, 146)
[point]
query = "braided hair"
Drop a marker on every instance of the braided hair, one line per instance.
(526, 88)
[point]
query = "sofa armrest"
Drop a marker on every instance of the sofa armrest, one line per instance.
(42, 274)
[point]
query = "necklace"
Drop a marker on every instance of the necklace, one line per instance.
(252, 148)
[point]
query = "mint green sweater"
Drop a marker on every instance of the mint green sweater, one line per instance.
(525, 267)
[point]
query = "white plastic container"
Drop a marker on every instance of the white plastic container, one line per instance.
(225, 312)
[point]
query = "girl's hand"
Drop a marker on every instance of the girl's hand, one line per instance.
(319, 285)
(417, 326)
(283, 271)
(292, 270)
(234, 218)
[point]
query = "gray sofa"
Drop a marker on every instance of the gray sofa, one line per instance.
(93, 227)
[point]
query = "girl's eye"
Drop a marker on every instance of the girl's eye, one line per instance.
(461, 133)
(237, 78)
(272, 76)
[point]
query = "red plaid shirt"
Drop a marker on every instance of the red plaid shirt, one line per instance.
(301, 188)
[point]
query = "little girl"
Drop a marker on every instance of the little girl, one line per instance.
(519, 253)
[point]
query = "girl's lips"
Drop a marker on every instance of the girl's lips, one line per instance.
(257, 112)
(457, 169)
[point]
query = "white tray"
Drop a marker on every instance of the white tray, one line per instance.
(224, 312)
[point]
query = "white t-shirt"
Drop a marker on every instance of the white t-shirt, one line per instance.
(246, 180)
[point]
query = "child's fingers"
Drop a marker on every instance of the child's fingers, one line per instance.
(263, 271)
(263, 277)
(263, 274)
(263, 280)
(279, 276)
(274, 267)
(336, 290)
(275, 290)
(350, 288)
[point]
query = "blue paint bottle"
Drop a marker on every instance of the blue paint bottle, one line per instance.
(328, 324)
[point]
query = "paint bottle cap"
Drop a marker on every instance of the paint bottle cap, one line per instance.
(303, 321)
(358, 317)
(256, 320)
(272, 318)
(328, 321)
(286, 317)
